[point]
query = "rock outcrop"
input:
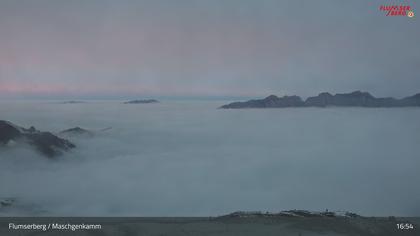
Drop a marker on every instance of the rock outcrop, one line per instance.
(45, 142)
(353, 99)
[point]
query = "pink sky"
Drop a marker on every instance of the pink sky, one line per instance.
(204, 48)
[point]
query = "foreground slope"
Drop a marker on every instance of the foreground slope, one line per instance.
(221, 226)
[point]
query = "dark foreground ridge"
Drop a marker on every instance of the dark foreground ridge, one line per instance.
(291, 213)
(206, 226)
(353, 99)
(45, 142)
(144, 101)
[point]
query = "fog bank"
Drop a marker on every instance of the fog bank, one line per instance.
(191, 159)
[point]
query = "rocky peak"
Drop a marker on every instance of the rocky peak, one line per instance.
(45, 142)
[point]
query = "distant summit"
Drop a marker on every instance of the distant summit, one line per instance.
(353, 99)
(72, 102)
(76, 131)
(81, 132)
(143, 101)
(270, 101)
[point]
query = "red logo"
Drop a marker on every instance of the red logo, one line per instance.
(395, 10)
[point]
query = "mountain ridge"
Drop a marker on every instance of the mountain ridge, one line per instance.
(45, 142)
(326, 99)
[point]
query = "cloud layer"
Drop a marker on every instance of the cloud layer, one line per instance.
(191, 159)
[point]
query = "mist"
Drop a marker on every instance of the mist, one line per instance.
(188, 158)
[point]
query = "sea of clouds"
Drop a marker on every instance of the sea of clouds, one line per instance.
(188, 158)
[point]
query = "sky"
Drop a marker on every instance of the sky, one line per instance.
(205, 48)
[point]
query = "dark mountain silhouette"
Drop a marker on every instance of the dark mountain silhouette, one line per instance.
(72, 102)
(76, 131)
(353, 99)
(270, 101)
(145, 101)
(45, 142)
